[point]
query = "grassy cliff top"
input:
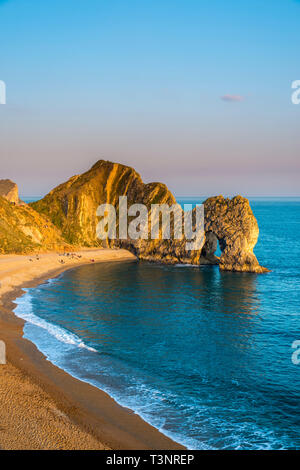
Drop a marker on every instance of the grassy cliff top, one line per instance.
(23, 230)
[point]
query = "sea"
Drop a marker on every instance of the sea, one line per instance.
(207, 357)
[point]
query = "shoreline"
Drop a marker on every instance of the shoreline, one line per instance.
(87, 417)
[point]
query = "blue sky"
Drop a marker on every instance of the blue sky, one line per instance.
(141, 83)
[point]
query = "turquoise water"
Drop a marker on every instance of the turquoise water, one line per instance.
(202, 355)
(29, 199)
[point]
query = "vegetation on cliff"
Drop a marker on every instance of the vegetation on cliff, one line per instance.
(72, 206)
(23, 230)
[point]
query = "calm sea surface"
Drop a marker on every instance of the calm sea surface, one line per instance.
(202, 355)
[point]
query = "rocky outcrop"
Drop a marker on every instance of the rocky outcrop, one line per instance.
(72, 208)
(23, 230)
(72, 205)
(9, 191)
(232, 223)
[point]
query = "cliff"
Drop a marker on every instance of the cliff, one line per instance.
(9, 191)
(72, 208)
(23, 230)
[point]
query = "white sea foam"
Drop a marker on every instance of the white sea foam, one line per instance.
(143, 407)
(24, 311)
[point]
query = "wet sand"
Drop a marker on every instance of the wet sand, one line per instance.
(41, 406)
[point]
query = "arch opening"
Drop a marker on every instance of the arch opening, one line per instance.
(213, 247)
(218, 251)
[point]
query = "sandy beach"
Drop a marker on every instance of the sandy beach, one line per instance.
(41, 406)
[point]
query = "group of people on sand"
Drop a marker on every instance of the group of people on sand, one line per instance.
(62, 261)
(37, 258)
